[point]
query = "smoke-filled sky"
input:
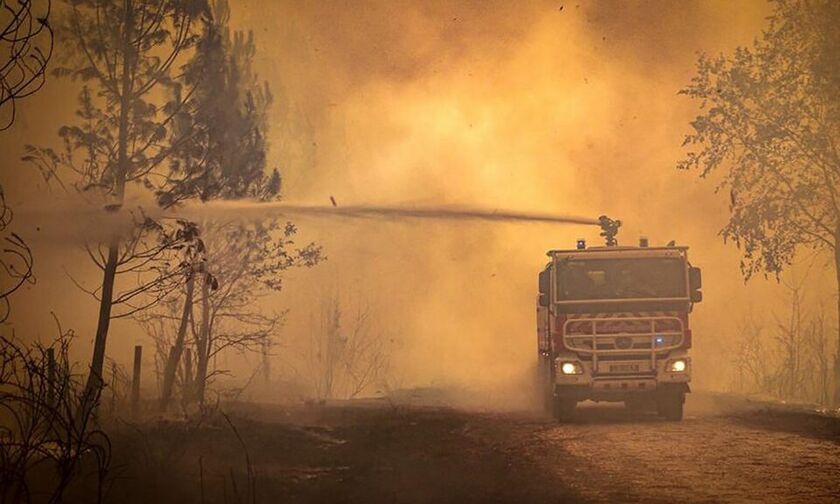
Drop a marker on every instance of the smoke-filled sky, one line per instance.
(568, 107)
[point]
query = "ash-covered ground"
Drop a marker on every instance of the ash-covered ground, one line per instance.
(425, 451)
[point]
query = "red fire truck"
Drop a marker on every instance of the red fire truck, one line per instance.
(612, 325)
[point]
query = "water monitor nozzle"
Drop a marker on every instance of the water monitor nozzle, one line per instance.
(609, 228)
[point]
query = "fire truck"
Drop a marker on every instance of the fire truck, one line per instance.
(613, 325)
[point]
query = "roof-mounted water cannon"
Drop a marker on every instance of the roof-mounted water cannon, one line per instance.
(609, 228)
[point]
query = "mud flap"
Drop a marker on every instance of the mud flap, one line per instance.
(670, 401)
(564, 409)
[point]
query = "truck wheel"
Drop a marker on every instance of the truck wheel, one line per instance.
(634, 406)
(670, 406)
(564, 409)
(548, 401)
(546, 385)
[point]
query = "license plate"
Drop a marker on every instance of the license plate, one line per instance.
(624, 368)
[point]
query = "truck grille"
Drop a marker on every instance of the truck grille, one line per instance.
(623, 335)
(622, 325)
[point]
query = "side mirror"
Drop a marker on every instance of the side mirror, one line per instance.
(695, 283)
(545, 287)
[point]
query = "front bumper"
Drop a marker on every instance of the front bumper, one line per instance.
(617, 380)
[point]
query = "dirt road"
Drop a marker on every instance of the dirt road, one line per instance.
(434, 454)
(609, 455)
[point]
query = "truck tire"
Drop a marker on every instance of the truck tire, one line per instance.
(636, 406)
(546, 385)
(670, 406)
(548, 400)
(564, 409)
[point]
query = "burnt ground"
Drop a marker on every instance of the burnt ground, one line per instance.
(385, 453)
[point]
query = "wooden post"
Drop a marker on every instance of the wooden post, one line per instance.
(51, 377)
(135, 382)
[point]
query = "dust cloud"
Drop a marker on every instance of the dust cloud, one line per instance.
(399, 109)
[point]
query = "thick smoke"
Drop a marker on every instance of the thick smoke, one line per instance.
(546, 107)
(543, 108)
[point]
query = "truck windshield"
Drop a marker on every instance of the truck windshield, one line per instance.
(594, 279)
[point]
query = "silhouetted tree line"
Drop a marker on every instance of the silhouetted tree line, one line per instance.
(788, 355)
(168, 104)
(770, 123)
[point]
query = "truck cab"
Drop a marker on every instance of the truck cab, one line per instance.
(613, 325)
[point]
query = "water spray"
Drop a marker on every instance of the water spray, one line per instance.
(609, 227)
(117, 218)
(243, 208)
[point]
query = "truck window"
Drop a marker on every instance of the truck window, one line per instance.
(593, 279)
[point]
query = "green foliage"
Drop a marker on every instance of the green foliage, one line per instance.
(771, 121)
(224, 126)
(124, 54)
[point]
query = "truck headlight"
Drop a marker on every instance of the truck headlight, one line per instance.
(571, 368)
(678, 366)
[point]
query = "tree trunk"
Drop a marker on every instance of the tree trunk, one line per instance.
(94, 381)
(188, 377)
(203, 350)
(266, 362)
(177, 350)
(836, 401)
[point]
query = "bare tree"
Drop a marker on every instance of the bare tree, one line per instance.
(345, 355)
(44, 432)
(771, 119)
(244, 262)
(160, 325)
(236, 265)
(790, 334)
(793, 362)
(324, 350)
(15, 260)
(192, 268)
(26, 45)
(223, 155)
(752, 360)
(818, 347)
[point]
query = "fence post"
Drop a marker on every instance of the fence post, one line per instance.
(135, 382)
